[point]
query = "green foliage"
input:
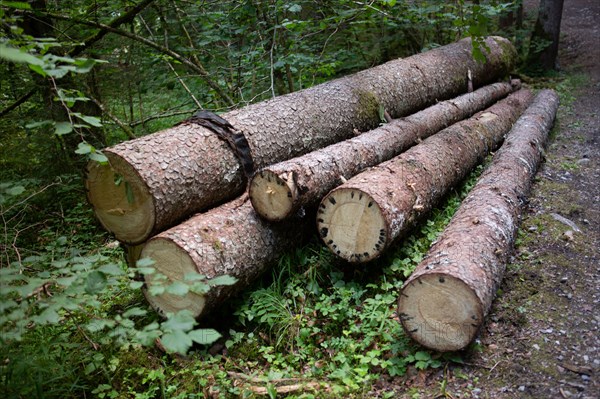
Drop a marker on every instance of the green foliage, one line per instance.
(67, 286)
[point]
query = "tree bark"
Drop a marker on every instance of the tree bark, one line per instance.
(280, 190)
(444, 302)
(177, 172)
(546, 34)
(362, 217)
(227, 240)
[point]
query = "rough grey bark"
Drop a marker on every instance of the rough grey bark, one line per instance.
(546, 33)
(228, 240)
(361, 218)
(444, 302)
(177, 172)
(278, 191)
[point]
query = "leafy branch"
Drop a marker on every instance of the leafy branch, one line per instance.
(194, 65)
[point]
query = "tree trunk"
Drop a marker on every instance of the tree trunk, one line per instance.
(227, 240)
(543, 49)
(278, 191)
(174, 173)
(362, 217)
(444, 302)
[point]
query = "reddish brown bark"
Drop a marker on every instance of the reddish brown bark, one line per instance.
(177, 172)
(228, 240)
(443, 303)
(278, 191)
(362, 217)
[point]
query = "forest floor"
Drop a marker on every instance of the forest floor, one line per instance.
(542, 337)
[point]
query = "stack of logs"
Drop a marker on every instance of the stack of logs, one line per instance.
(368, 188)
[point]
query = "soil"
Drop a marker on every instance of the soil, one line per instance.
(542, 336)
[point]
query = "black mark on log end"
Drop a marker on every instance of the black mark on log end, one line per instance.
(332, 200)
(442, 280)
(324, 231)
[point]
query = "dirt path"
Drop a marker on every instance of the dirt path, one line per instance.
(542, 338)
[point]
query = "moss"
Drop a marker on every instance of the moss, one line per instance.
(368, 106)
(508, 55)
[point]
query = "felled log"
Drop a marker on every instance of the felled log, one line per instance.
(153, 182)
(280, 190)
(228, 240)
(362, 217)
(443, 303)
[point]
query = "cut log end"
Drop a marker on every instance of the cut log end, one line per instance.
(351, 224)
(174, 263)
(273, 196)
(440, 312)
(121, 200)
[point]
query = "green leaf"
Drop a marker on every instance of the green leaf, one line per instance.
(48, 316)
(271, 391)
(194, 277)
(99, 325)
(135, 312)
(204, 336)
(84, 148)
(178, 288)
(16, 4)
(111, 269)
(38, 69)
(56, 72)
(33, 125)
(66, 281)
(156, 290)
(136, 285)
(199, 288)
(84, 65)
(95, 282)
(176, 341)
(98, 157)
(145, 262)
(15, 190)
(16, 55)
(59, 264)
(223, 280)
(295, 8)
(424, 356)
(62, 128)
(182, 320)
(146, 270)
(92, 120)
(381, 111)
